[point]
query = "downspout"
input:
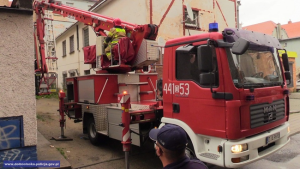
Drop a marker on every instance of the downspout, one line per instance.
(238, 13)
(78, 51)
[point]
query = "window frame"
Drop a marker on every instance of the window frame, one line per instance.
(72, 44)
(85, 72)
(64, 48)
(86, 36)
(72, 74)
(71, 4)
(196, 18)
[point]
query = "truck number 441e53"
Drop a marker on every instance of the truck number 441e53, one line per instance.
(181, 88)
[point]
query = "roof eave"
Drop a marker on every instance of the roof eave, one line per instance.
(290, 38)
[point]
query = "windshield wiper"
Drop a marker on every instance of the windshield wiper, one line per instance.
(275, 83)
(249, 85)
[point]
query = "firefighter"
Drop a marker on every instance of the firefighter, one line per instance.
(194, 70)
(170, 144)
(113, 37)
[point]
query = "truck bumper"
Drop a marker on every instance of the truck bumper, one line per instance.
(258, 146)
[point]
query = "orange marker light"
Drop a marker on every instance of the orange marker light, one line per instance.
(124, 92)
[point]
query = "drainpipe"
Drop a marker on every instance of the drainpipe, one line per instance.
(78, 51)
(238, 14)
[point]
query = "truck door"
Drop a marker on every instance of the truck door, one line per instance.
(192, 96)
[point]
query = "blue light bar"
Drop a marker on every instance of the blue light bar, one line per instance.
(213, 27)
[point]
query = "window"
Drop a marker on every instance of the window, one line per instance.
(187, 66)
(85, 37)
(72, 74)
(64, 75)
(72, 44)
(64, 46)
(188, 21)
(87, 72)
(69, 4)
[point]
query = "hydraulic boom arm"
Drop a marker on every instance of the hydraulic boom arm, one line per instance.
(99, 23)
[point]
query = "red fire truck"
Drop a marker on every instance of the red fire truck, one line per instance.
(227, 90)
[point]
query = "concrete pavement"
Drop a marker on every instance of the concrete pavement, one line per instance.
(46, 152)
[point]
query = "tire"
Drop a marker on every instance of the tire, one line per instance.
(189, 150)
(94, 137)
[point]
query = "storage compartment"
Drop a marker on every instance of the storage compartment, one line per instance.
(115, 130)
(147, 54)
(86, 91)
(99, 89)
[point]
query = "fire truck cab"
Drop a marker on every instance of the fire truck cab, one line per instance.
(228, 92)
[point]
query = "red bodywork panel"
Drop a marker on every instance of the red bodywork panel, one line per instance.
(151, 79)
(89, 54)
(229, 119)
(111, 89)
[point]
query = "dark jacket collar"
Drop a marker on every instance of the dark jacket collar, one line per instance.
(178, 163)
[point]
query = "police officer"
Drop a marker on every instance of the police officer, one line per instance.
(113, 37)
(170, 144)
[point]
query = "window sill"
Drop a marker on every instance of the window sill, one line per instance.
(72, 52)
(193, 28)
(64, 56)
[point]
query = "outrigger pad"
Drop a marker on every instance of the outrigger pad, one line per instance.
(64, 138)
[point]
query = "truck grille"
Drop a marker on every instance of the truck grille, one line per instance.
(261, 114)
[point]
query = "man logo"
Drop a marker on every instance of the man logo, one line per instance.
(268, 109)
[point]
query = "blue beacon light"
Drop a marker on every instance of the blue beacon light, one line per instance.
(213, 27)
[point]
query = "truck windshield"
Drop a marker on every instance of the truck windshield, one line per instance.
(255, 68)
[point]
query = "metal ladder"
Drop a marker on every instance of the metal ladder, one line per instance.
(50, 41)
(49, 83)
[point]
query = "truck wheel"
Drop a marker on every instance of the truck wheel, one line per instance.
(92, 133)
(189, 150)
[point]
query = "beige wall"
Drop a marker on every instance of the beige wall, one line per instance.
(4, 3)
(279, 32)
(17, 93)
(73, 60)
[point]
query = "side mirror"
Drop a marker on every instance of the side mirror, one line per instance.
(288, 77)
(240, 46)
(204, 55)
(285, 61)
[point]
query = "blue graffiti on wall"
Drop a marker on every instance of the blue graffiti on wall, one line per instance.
(6, 136)
(12, 141)
(20, 154)
(11, 133)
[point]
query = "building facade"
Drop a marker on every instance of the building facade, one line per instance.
(18, 128)
(60, 23)
(293, 44)
(169, 15)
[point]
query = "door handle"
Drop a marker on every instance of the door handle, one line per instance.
(176, 108)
